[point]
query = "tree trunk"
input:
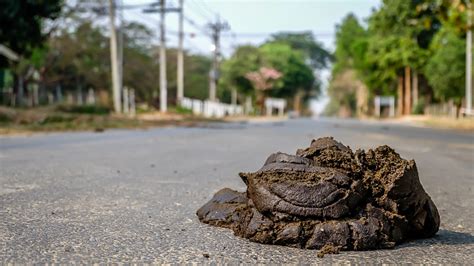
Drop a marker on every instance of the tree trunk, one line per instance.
(297, 102)
(415, 88)
(458, 110)
(234, 97)
(248, 104)
(21, 91)
(407, 105)
(261, 101)
(400, 96)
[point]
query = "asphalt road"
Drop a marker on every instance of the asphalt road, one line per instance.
(131, 196)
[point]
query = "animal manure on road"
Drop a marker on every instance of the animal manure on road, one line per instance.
(330, 198)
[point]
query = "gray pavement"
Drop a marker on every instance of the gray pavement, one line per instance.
(131, 196)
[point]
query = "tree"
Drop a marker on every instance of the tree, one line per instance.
(343, 93)
(350, 66)
(298, 81)
(349, 35)
(305, 42)
(22, 22)
(78, 64)
(297, 75)
(397, 49)
(196, 78)
(263, 80)
(297, 78)
(445, 70)
(245, 59)
(75, 59)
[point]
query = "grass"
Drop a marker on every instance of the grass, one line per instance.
(181, 110)
(450, 123)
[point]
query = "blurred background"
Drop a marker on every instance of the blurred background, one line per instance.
(125, 63)
(219, 85)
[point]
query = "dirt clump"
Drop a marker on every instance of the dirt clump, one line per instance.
(330, 198)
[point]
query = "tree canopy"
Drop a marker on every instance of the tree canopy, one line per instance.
(22, 24)
(305, 42)
(426, 37)
(445, 68)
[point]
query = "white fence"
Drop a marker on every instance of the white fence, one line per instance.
(211, 109)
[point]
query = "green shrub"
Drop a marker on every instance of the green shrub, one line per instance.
(7, 115)
(182, 110)
(4, 118)
(419, 108)
(85, 109)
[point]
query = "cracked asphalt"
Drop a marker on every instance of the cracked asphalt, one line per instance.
(131, 195)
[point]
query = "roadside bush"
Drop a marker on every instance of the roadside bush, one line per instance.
(419, 108)
(85, 109)
(182, 110)
(5, 118)
(6, 115)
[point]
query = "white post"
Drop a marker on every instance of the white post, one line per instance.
(392, 106)
(248, 104)
(35, 94)
(113, 58)
(180, 73)
(59, 93)
(377, 106)
(163, 85)
(469, 59)
(90, 96)
(50, 98)
(234, 97)
(126, 100)
(79, 96)
(132, 102)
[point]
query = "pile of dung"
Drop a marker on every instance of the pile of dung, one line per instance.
(326, 196)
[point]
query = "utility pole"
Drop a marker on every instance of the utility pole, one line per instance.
(216, 28)
(180, 72)
(120, 51)
(114, 59)
(469, 59)
(163, 82)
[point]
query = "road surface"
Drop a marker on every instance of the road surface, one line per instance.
(131, 196)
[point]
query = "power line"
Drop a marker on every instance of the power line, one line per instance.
(196, 26)
(202, 11)
(197, 11)
(205, 7)
(217, 28)
(265, 34)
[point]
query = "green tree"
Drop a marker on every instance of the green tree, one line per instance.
(305, 42)
(297, 75)
(22, 24)
(349, 36)
(196, 78)
(245, 59)
(350, 65)
(298, 81)
(399, 37)
(445, 70)
(75, 59)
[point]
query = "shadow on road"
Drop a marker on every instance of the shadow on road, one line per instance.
(443, 237)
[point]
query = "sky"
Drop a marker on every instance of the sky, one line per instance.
(253, 22)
